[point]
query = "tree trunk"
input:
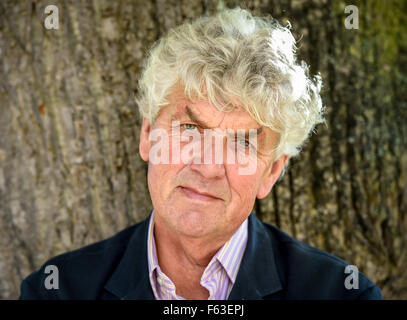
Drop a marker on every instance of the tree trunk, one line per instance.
(70, 172)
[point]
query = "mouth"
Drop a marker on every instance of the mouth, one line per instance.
(198, 195)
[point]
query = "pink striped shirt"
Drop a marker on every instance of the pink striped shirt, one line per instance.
(218, 277)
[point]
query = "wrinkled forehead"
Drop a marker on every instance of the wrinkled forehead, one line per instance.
(203, 113)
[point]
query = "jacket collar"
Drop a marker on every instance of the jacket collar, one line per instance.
(130, 280)
(257, 276)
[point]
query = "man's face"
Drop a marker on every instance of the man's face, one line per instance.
(207, 200)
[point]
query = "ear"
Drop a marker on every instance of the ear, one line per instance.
(144, 146)
(270, 179)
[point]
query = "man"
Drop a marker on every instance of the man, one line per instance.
(224, 107)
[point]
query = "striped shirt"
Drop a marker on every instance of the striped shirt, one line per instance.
(218, 277)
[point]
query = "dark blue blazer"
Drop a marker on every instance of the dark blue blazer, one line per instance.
(274, 266)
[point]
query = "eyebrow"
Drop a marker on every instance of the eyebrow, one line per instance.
(202, 124)
(195, 119)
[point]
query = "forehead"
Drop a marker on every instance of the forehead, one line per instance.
(182, 108)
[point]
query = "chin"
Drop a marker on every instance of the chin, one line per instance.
(196, 224)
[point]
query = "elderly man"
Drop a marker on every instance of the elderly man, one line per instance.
(224, 106)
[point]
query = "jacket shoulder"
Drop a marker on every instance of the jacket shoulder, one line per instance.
(78, 274)
(310, 273)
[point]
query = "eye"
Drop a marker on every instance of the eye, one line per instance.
(245, 143)
(190, 126)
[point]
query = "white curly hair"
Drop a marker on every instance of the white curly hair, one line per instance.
(235, 54)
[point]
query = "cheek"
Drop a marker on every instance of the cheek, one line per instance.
(244, 186)
(162, 179)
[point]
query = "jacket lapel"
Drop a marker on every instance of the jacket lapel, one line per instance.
(130, 280)
(257, 276)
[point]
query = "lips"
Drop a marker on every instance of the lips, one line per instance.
(198, 194)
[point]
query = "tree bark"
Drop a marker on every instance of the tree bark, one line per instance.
(70, 171)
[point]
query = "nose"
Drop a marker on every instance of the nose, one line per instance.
(212, 156)
(209, 171)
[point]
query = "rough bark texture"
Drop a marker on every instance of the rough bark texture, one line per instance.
(70, 172)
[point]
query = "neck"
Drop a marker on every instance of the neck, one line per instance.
(184, 259)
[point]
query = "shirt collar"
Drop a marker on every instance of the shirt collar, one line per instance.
(151, 249)
(231, 253)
